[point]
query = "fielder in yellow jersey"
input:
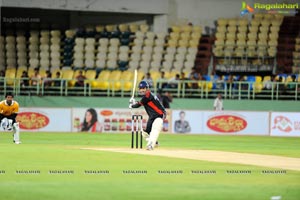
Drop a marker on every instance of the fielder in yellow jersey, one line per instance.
(9, 109)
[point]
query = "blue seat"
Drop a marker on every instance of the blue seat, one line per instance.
(69, 41)
(123, 65)
(105, 34)
(126, 34)
(115, 34)
(90, 34)
(80, 33)
(125, 41)
(67, 62)
(68, 54)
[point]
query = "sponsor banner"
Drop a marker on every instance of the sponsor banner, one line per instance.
(211, 122)
(45, 119)
(186, 121)
(97, 120)
(285, 124)
(238, 123)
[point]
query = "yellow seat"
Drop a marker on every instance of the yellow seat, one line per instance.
(30, 71)
(42, 72)
(186, 28)
(170, 74)
(68, 75)
(172, 43)
(267, 78)
(258, 79)
(257, 86)
(126, 75)
(126, 80)
(75, 74)
(127, 86)
(20, 71)
(140, 76)
(201, 84)
(155, 75)
(278, 76)
(102, 81)
(183, 43)
(90, 74)
(185, 35)
(176, 29)
(258, 16)
(99, 28)
(222, 22)
(288, 80)
(197, 29)
(144, 28)
(110, 27)
(10, 74)
(10, 70)
(123, 27)
(208, 86)
(133, 28)
(54, 71)
(195, 36)
(174, 35)
(114, 78)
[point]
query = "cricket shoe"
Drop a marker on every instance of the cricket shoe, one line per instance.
(17, 142)
(149, 146)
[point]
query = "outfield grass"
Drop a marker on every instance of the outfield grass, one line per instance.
(52, 151)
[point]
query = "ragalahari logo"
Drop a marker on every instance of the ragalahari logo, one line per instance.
(246, 9)
(283, 124)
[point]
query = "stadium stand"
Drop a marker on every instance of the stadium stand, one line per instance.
(296, 57)
(289, 31)
(241, 44)
(108, 53)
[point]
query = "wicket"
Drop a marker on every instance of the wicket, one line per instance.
(136, 128)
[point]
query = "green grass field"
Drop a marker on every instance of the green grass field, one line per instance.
(60, 152)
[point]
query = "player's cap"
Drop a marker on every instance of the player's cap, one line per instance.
(143, 84)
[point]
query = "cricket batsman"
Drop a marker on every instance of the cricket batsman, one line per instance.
(8, 112)
(155, 111)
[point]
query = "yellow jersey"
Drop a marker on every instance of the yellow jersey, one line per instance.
(7, 110)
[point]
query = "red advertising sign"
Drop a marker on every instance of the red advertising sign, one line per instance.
(106, 112)
(283, 123)
(226, 123)
(32, 120)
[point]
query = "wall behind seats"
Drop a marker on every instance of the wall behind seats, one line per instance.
(199, 12)
(205, 12)
(77, 13)
(39, 17)
(124, 6)
(63, 19)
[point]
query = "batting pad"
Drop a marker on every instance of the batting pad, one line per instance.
(6, 124)
(156, 129)
(16, 132)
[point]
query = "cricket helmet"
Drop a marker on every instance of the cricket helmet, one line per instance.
(143, 84)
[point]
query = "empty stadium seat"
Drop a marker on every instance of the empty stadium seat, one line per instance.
(67, 74)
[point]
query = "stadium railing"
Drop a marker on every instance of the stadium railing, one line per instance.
(181, 89)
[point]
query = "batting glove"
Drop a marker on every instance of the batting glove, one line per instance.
(130, 105)
(132, 101)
